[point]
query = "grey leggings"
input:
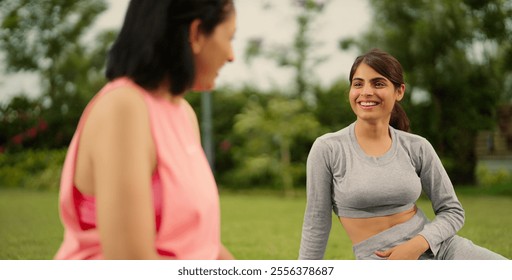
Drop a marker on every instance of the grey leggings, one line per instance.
(454, 248)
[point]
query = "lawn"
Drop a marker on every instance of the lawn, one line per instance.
(254, 226)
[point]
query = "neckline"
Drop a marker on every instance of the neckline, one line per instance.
(376, 160)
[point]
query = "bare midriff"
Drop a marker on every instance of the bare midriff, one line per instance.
(360, 229)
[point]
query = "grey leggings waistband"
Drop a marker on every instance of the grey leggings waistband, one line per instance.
(390, 237)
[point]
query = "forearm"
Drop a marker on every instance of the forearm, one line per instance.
(315, 234)
(419, 245)
(437, 186)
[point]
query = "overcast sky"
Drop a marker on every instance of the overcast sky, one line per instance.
(342, 18)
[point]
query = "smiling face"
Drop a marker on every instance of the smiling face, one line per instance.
(212, 51)
(373, 96)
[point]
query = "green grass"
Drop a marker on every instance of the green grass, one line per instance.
(29, 224)
(254, 225)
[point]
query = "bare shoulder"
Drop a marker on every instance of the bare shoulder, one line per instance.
(190, 110)
(118, 115)
(120, 102)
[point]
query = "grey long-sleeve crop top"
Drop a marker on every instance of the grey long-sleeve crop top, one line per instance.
(343, 179)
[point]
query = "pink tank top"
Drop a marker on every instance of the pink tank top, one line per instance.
(186, 200)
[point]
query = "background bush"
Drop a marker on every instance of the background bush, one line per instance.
(32, 169)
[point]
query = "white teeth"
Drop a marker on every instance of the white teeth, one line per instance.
(368, 103)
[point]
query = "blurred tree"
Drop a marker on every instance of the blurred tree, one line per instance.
(48, 38)
(299, 56)
(20, 123)
(457, 59)
(274, 123)
(232, 167)
(332, 108)
(227, 102)
(271, 130)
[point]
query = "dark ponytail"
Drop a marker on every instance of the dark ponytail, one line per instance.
(399, 119)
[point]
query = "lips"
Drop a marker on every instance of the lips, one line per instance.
(368, 104)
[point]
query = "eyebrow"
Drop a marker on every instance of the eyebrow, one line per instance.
(377, 79)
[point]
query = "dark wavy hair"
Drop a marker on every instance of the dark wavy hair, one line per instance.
(153, 44)
(389, 67)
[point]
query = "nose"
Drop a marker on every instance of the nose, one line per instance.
(231, 55)
(367, 90)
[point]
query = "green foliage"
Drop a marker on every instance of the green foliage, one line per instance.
(487, 178)
(31, 169)
(332, 108)
(35, 34)
(273, 131)
(453, 51)
(226, 103)
(48, 38)
(20, 123)
(272, 128)
(248, 129)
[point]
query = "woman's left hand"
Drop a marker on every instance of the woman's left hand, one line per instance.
(410, 250)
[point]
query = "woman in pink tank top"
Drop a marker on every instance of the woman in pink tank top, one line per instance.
(136, 183)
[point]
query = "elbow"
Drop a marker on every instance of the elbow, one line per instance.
(457, 217)
(462, 217)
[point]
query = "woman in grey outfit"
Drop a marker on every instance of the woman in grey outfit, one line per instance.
(371, 174)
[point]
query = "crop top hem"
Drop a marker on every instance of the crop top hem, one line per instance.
(371, 212)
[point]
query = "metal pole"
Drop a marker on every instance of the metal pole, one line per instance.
(206, 127)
